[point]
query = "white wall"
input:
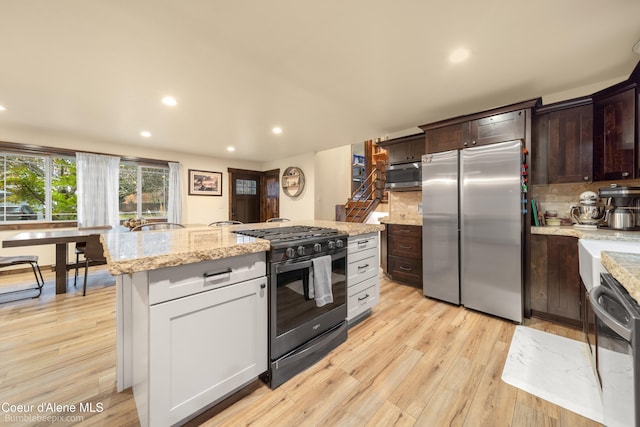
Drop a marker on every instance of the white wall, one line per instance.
(333, 176)
(300, 207)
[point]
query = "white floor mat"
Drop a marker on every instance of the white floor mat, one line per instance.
(554, 368)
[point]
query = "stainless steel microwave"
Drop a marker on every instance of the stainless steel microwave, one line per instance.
(404, 176)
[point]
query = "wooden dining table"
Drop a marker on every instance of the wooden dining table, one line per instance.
(60, 238)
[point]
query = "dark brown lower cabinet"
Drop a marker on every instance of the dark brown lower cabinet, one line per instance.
(556, 292)
(403, 247)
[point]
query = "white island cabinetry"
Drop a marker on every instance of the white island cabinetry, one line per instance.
(200, 333)
(363, 278)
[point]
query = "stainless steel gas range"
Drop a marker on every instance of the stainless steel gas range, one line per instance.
(307, 296)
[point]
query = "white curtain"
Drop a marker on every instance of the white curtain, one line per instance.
(97, 181)
(174, 210)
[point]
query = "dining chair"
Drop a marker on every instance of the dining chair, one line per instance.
(223, 223)
(9, 261)
(158, 226)
(80, 248)
(278, 220)
(93, 253)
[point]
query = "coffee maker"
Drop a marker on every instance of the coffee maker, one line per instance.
(622, 211)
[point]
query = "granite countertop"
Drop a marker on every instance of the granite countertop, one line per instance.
(130, 252)
(400, 221)
(625, 267)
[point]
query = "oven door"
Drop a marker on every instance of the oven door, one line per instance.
(616, 359)
(294, 316)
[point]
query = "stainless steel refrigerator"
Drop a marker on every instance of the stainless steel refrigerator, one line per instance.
(472, 228)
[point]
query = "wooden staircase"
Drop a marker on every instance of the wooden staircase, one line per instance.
(364, 199)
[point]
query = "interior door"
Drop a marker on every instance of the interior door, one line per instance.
(244, 205)
(270, 195)
(254, 196)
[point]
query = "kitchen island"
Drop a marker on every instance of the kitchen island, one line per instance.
(192, 313)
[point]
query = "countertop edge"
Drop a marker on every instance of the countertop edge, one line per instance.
(625, 268)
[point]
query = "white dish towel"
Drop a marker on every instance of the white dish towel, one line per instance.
(320, 281)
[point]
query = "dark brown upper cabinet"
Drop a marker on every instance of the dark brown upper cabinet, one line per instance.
(563, 144)
(614, 133)
(502, 124)
(452, 137)
(404, 150)
(498, 128)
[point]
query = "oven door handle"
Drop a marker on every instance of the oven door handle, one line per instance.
(606, 318)
(283, 268)
(298, 265)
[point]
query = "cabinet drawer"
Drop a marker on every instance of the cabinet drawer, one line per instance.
(407, 247)
(362, 265)
(405, 230)
(175, 282)
(405, 270)
(363, 242)
(363, 296)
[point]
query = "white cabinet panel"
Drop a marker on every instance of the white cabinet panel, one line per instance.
(204, 346)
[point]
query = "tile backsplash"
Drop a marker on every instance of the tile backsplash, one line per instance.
(560, 197)
(405, 205)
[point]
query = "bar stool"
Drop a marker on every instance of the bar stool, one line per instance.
(8, 261)
(157, 226)
(278, 220)
(224, 223)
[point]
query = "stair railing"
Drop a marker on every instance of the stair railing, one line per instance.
(366, 191)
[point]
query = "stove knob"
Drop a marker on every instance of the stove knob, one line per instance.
(317, 247)
(300, 250)
(331, 245)
(290, 252)
(339, 244)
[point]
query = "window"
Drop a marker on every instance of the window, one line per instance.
(37, 188)
(246, 186)
(144, 191)
(40, 186)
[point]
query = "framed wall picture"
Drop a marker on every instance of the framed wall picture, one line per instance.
(205, 183)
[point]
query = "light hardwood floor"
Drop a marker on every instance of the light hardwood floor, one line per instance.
(414, 361)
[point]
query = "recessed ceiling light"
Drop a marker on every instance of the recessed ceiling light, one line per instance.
(276, 130)
(2, 108)
(145, 134)
(231, 148)
(459, 55)
(169, 100)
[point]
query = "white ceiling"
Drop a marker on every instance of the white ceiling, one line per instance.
(328, 72)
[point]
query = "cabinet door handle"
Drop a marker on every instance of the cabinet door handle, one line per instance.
(473, 142)
(403, 268)
(404, 247)
(625, 174)
(363, 243)
(218, 273)
(362, 267)
(363, 298)
(262, 286)
(585, 178)
(403, 230)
